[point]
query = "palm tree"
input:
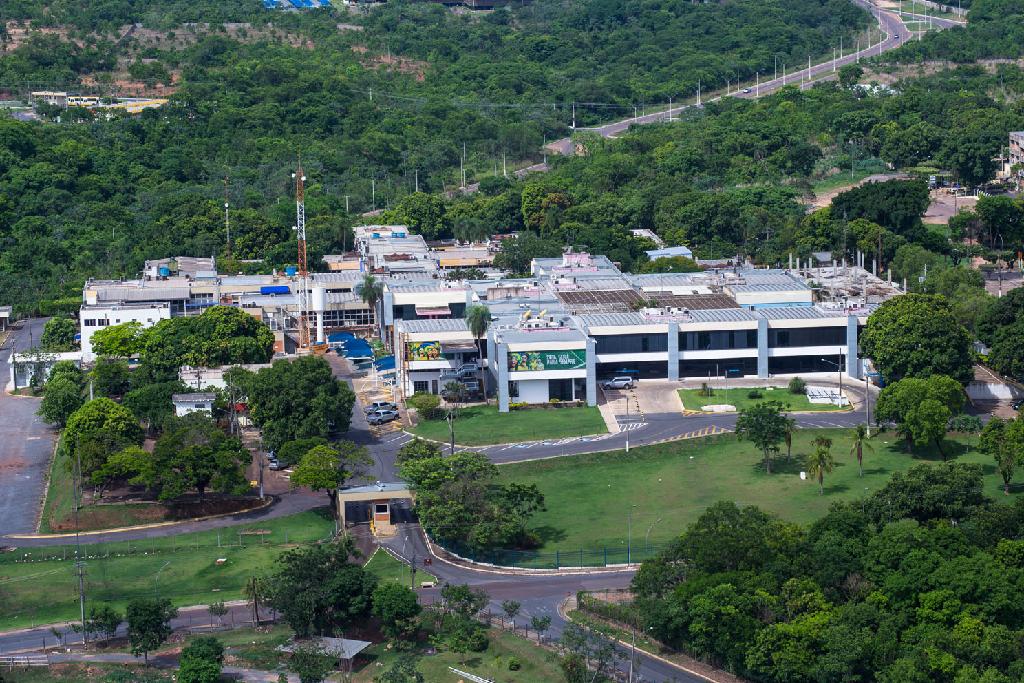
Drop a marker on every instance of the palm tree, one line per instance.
(255, 590)
(860, 444)
(790, 426)
(820, 462)
(371, 292)
(478, 319)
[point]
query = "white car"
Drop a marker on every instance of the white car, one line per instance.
(619, 383)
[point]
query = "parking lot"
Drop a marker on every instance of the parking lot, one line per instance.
(26, 444)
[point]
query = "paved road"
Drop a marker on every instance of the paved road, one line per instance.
(25, 444)
(538, 594)
(896, 34)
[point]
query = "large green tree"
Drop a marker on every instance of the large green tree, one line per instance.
(149, 624)
(917, 335)
(764, 425)
(97, 430)
(298, 399)
(319, 590)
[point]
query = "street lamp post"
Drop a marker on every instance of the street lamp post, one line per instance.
(629, 535)
(839, 371)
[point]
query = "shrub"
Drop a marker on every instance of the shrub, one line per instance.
(513, 664)
(965, 424)
(755, 393)
(706, 390)
(797, 386)
(428, 406)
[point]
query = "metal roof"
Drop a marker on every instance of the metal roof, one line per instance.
(438, 325)
(722, 315)
(614, 319)
(561, 334)
(130, 293)
(791, 285)
(198, 397)
(799, 312)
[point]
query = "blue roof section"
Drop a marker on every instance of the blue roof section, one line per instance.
(669, 251)
(385, 363)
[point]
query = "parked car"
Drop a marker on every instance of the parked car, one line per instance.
(275, 465)
(379, 405)
(1018, 403)
(619, 383)
(746, 91)
(380, 417)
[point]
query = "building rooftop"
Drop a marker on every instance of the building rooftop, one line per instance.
(800, 312)
(122, 306)
(558, 334)
(788, 286)
(722, 315)
(436, 325)
(613, 319)
(694, 302)
(197, 397)
(147, 292)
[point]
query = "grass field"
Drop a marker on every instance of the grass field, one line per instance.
(588, 498)
(58, 512)
(738, 397)
(387, 568)
(39, 586)
(91, 672)
(537, 665)
(482, 425)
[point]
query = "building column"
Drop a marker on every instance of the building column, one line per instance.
(501, 358)
(673, 351)
(491, 368)
(762, 348)
(853, 364)
(591, 371)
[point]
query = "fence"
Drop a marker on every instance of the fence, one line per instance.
(155, 546)
(603, 556)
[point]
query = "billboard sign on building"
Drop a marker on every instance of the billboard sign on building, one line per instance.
(529, 361)
(430, 350)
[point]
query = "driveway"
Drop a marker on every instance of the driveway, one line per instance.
(26, 444)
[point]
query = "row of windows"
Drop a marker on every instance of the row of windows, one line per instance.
(728, 339)
(95, 322)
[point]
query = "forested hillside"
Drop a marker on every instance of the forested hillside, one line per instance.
(377, 105)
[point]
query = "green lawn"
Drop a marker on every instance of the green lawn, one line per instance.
(588, 497)
(91, 672)
(387, 568)
(693, 400)
(537, 665)
(482, 425)
(39, 585)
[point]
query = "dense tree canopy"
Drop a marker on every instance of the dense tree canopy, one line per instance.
(917, 335)
(914, 584)
(299, 399)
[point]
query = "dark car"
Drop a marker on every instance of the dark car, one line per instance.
(1018, 403)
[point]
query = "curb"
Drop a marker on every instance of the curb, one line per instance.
(143, 527)
(459, 561)
(565, 615)
(491, 445)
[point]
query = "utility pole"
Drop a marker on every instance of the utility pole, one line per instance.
(698, 92)
(227, 220)
(373, 193)
(757, 84)
(573, 116)
(416, 175)
(79, 561)
(504, 166)
(300, 231)
(670, 106)
(346, 203)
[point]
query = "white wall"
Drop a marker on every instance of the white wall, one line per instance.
(116, 315)
(532, 391)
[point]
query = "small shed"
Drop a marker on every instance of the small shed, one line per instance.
(343, 650)
(379, 495)
(5, 317)
(201, 401)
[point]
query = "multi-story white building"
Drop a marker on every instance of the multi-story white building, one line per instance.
(581, 321)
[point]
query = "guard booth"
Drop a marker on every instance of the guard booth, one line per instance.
(380, 496)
